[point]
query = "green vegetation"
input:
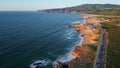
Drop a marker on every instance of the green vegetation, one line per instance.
(113, 49)
(113, 29)
(93, 47)
(108, 12)
(79, 64)
(112, 13)
(106, 9)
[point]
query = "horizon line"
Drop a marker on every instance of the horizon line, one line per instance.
(61, 7)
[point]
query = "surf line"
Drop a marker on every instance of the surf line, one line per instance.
(64, 61)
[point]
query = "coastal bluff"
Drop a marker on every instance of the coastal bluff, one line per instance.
(89, 35)
(84, 53)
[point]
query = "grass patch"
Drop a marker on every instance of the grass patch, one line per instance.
(93, 47)
(113, 50)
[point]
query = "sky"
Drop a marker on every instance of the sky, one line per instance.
(33, 5)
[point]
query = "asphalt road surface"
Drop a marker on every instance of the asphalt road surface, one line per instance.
(100, 61)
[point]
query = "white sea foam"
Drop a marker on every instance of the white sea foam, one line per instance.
(64, 58)
(76, 22)
(80, 22)
(70, 33)
(40, 63)
(68, 56)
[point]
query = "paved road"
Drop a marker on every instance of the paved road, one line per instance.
(100, 61)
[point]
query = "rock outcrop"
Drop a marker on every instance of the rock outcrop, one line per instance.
(61, 65)
(83, 53)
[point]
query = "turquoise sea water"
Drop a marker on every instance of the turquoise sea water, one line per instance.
(26, 37)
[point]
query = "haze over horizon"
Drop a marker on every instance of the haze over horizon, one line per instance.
(33, 5)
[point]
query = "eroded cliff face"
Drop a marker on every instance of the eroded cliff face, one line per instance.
(61, 65)
(89, 34)
(80, 50)
(85, 53)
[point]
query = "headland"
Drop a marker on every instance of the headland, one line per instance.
(85, 53)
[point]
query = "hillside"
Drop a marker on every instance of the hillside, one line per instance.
(85, 8)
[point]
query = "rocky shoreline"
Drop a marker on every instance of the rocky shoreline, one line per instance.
(84, 53)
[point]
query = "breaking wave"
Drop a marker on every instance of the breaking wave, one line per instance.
(76, 22)
(40, 63)
(69, 35)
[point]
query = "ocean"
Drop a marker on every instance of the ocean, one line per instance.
(27, 37)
